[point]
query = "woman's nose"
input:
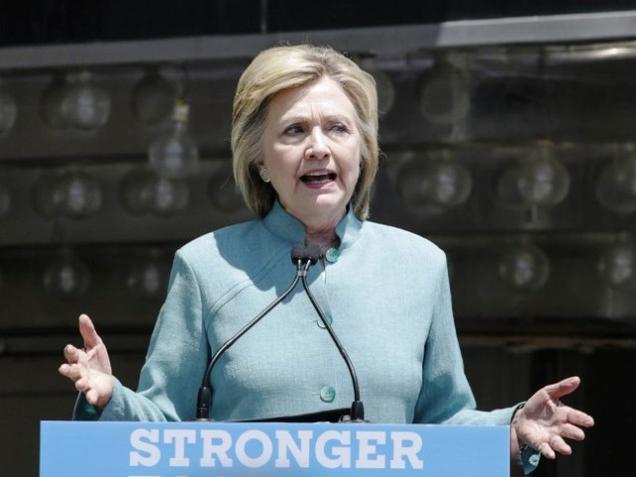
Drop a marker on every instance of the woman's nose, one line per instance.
(317, 148)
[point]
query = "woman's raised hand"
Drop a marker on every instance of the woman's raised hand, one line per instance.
(89, 368)
(544, 422)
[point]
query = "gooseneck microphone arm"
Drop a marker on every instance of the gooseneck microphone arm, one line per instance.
(303, 257)
(357, 408)
(204, 398)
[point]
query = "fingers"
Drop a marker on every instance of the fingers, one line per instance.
(546, 450)
(88, 332)
(567, 430)
(556, 444)
(71, 354)
(570, 431)
(71, 371)
(82, 385)
(559, 445)
(579, 418)
(563, 387)
(92, 396)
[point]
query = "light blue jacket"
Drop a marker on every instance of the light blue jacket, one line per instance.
(386, 291)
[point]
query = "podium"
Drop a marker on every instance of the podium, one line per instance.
(218, 449)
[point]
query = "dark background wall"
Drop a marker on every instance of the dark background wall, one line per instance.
(512, 343)
(66, 21)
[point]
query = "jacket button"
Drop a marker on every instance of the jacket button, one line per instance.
(332, 255)
(321, 324)
(327, 393)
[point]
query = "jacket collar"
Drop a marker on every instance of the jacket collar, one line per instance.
(284, 225)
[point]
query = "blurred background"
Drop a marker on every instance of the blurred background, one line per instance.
(508, 136)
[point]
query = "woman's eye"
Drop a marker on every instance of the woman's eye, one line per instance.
(294, 130)
(339, 128)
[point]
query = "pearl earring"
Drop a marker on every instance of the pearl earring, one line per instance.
(264, 175)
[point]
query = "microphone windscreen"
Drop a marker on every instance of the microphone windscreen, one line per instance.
(305, 253)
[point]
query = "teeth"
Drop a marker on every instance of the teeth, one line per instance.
(318, 178)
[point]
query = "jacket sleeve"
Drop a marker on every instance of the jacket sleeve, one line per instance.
(176, 360)
(445, 396)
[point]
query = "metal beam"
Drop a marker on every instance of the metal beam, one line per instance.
(385, 40)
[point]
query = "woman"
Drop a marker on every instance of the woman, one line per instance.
(304, 141)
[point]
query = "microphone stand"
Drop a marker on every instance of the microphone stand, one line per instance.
(204, 398)
(357, 408)
(303, 257)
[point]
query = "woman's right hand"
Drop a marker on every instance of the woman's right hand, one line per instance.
(89, 368)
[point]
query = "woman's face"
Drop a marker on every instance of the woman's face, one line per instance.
(312, 151)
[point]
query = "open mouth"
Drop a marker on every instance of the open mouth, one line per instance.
(318, 178)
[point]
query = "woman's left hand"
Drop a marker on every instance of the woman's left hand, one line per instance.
(544, 422)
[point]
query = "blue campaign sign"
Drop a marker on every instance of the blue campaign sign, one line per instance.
(192, 449)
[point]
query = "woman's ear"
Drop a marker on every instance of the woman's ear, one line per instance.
(264, 173)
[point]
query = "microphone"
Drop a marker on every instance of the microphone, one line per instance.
(303, 257)
(305, 253)
(357, 407)
(311, 253)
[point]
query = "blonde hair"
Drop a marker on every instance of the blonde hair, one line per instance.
(281, 68)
